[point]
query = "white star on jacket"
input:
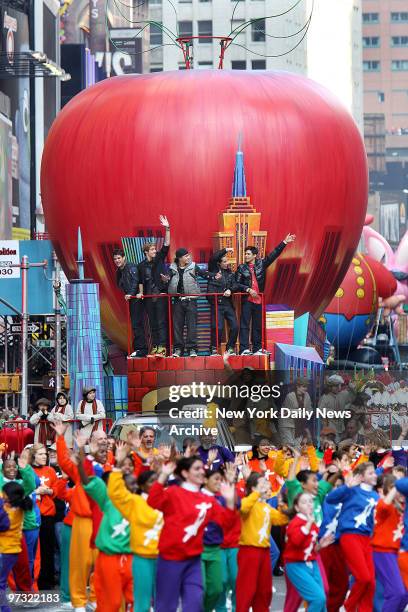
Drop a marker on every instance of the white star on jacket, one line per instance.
(120, 528)
(153, 533)
(332, 526)
(361, 519)
(192, 530)
(263, 532)
(43, 480)
(399, 531)
(310, 548)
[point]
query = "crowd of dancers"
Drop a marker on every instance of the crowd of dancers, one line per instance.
(139, 527)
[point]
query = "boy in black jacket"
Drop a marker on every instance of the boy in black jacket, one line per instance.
(225, 286)
(252, 274)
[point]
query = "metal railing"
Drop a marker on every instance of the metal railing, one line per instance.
(12, 432)
(171, 297)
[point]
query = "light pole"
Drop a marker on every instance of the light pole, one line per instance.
(25, 266)
(57, 313)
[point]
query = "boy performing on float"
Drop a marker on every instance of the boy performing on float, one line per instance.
(183, 282)
(151, 274)
(252, 274)
(225, 286)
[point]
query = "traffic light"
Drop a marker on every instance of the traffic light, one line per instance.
(10, 383)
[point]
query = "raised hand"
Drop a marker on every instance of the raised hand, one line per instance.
(227, 490)
(164, 451)
(122, 451)
(168, 468)
(24, 459)
(59, 428)
(80, 439)
(229, 249)
(164, 221)
(353, 480)
(290, 238)
(133, 439)
(230, 472)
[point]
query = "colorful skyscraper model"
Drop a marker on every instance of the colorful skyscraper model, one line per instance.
(240, 222)
(84, 332)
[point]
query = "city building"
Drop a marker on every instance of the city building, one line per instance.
(252, 47)
(385, 65)
(29, 101)
(334, 51)
(385, 69)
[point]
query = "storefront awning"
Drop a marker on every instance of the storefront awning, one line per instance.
(30, 64)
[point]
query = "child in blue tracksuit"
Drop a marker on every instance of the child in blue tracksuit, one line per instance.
(355, 526)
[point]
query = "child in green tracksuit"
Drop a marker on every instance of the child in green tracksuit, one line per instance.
(306, 481)
(113, 578)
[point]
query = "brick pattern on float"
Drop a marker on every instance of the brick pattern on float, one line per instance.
(149, 373)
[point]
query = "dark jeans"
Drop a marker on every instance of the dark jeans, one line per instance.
(250, 312)
(136, 308)
(185, 313)
(156, 309)
(46, 579)
(225, 312)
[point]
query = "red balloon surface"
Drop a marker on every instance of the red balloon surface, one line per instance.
(133, 147)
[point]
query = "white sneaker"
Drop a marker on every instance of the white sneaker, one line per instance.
(66, 605)
(262, 352)
(80, 609)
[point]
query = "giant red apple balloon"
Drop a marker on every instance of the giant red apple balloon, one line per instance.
(133, 147)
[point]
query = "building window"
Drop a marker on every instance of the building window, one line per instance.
(399, 41)
(371, 41)
(185, 1)
(371, 66)
(205, 65)
(381, 96)
(399, 16)
(156, 68)
(258, 30)
(205, 29)
(399, 65)
(155, 1)
(371, 17)
(182, 67)
(185, 28)
(236, 26)
(156, 35)
(258, 64)
(238, 64)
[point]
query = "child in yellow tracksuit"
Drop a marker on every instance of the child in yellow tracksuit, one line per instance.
(145, 528)
(12, 508)
(254, 580)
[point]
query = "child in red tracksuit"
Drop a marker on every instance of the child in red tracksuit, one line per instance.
(186, 512)
(254, 580)
(300, 554)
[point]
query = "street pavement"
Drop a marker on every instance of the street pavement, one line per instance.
(277, 601)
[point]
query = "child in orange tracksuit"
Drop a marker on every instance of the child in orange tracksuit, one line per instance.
(82, 555)
(254, 580)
